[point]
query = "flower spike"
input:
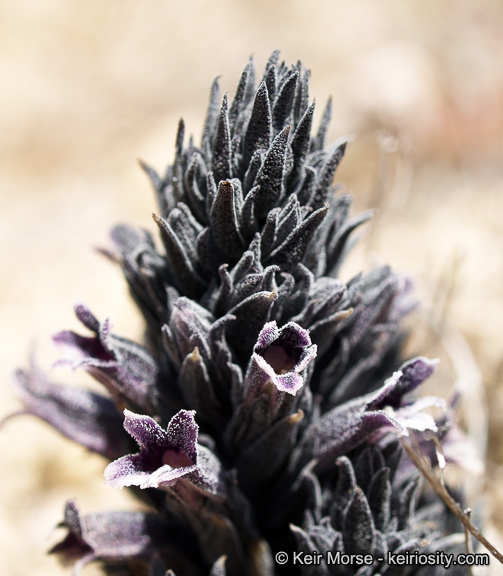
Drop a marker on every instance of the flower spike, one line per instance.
(269, 407)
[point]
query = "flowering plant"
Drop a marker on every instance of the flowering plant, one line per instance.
(263, 412)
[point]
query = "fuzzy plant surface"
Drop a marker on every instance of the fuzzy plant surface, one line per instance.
(262, 413)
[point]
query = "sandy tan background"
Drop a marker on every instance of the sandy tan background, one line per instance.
(86, 88)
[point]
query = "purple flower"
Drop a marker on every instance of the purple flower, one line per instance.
(347, 426)
(166, 456)
(280, 356)
(116, 537)
(126, 369)
(85, 417)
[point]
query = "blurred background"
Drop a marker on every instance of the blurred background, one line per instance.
(87, 88)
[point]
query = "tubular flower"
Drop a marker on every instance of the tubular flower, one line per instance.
(261, 412)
